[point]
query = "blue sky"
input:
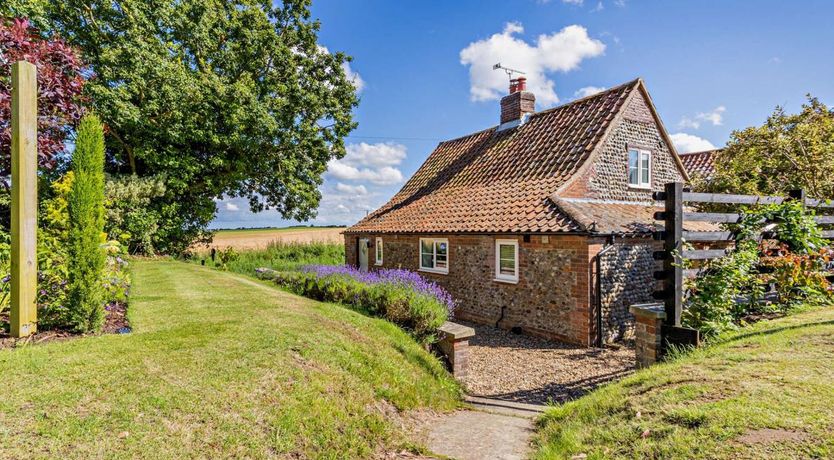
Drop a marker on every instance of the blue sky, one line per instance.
(424, 73)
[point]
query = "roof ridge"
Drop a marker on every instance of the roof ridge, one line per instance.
(702, 151)
(558, 107)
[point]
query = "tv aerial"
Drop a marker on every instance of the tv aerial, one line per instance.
(507, 70)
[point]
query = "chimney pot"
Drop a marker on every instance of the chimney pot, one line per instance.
(518, 103)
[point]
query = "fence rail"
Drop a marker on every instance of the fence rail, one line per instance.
(673, 235)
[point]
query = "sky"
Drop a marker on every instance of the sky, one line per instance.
(424, 74)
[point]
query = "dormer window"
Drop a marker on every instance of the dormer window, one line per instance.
(639, 168)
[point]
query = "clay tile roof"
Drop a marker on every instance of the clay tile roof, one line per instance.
(619, 217)
(500, 181)
(699, 163)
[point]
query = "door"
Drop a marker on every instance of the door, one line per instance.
(363, 254)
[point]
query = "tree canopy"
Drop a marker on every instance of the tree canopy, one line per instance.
(216, 97)
(789, 151)
(60, 85)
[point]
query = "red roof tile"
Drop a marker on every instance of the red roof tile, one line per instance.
(699, 164)
(493, 181)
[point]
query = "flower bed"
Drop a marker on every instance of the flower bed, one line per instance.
(400, 296)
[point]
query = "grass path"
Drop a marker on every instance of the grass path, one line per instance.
(764, 392)
(218, 366)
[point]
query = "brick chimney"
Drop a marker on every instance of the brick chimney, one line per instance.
(518, 103)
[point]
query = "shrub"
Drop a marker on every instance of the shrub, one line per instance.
(86, 228)
(130, 217)
(400, 296)
(794, 262)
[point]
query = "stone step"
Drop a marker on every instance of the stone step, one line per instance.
(503, 407)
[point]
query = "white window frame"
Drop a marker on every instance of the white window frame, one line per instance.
(378, 251)
(504, 278)
(434, 243)
(640, 152)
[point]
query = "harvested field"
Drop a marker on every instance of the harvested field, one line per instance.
(261, 237)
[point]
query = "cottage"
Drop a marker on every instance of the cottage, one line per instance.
(541, 224)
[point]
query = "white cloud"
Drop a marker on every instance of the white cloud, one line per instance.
(558, 52)
(588, 91)
(373, 163)
(380, 154)
(685, 143)
(715, 117)
(231, 206)
(354, 77)
(351, 189)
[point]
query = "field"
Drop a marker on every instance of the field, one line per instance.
(259, 238)
(763, 392)
(220, 366)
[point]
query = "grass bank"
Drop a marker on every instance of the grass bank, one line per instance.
(764, 392)
(219, 366)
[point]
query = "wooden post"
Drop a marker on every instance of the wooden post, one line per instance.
(672, 245)
(24, 275)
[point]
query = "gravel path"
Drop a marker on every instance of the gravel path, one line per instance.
(516, 367)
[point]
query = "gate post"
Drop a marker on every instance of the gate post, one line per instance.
(24, 267)
(672, 246)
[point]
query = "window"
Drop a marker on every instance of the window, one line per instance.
(378, 251)
(639, 168)
(506, 260)
(434, 255)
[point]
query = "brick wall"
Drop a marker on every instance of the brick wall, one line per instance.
(552, 298)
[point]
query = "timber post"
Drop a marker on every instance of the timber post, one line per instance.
(24, 266)
(672, 245)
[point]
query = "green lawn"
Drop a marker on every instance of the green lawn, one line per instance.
(219, 365)
(764, 392)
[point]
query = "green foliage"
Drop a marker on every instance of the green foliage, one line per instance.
(226, 257)
(714, 300)
(85, 204)
(416, 312)
(229, 98)
(794, 262)
(283, 256)
(130, 216)
(789, 151)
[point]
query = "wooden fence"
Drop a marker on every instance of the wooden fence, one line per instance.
(675, 216)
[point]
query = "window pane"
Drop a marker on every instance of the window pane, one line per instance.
(632, 159)
(426, 261)
(440, 262)
(645, 168)
(441, 247)
(507, 267)
(425, 246)
(506, 251)
(632, 176)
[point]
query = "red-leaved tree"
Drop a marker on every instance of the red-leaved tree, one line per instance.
(60, 82)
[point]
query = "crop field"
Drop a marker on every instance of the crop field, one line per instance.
(259, 238)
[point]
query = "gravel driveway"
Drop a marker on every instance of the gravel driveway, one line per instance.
(516, 367)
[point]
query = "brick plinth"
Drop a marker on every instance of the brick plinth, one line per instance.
(454, 343)
(648, 338)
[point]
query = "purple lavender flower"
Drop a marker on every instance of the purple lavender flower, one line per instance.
(398, 277)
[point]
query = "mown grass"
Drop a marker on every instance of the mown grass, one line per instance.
(773, 375)
(219, 366)
(282, 256)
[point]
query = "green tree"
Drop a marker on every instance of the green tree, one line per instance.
(789, 151)
(220, 97)
(86, 226)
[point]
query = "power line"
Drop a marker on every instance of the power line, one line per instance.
(396, 138)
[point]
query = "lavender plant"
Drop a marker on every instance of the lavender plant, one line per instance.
(400, 296)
